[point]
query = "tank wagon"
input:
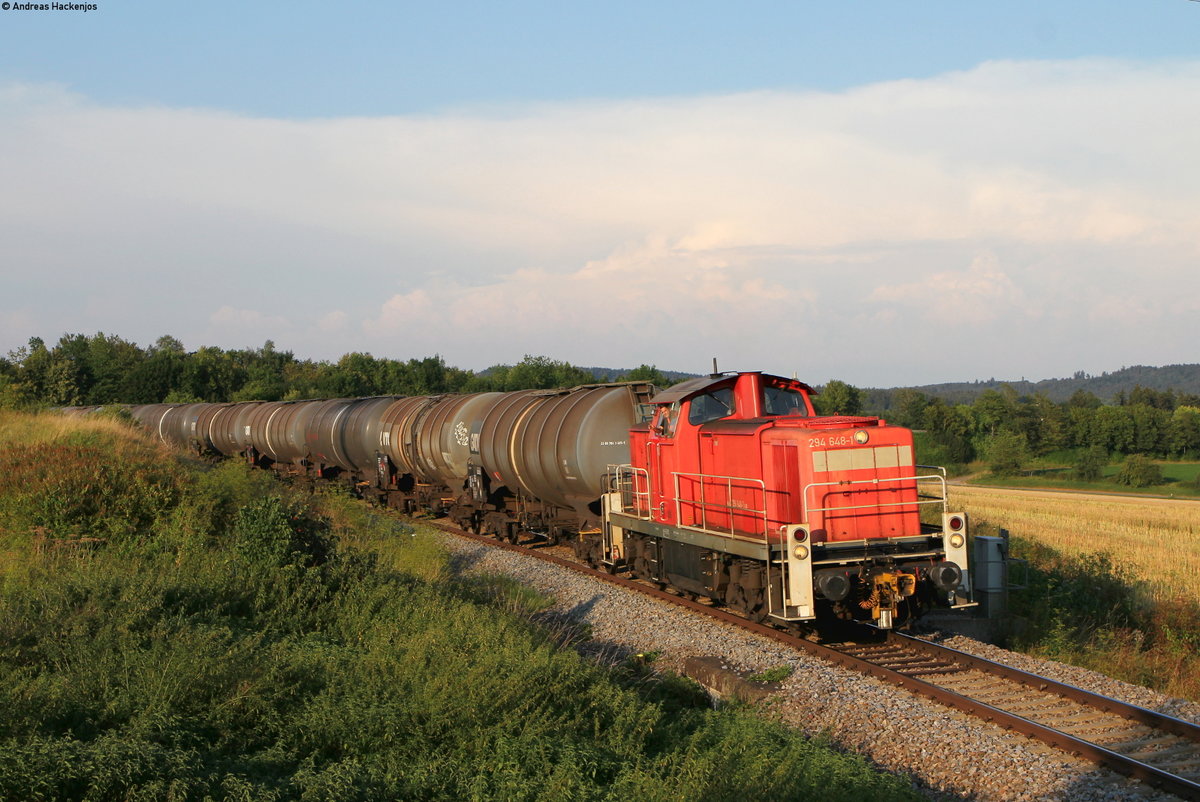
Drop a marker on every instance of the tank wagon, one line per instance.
(727, 486)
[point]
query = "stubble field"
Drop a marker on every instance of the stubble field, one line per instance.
(1113, 582)
(1156, 540)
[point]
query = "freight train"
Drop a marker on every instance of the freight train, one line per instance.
(727, 486)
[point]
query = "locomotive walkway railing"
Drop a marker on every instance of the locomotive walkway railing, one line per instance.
(701, 506)
(634, 486)
(856, 484)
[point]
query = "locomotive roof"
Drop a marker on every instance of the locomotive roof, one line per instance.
(692, 386)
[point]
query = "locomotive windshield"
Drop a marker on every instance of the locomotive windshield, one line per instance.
(711, 406)
(784, 401)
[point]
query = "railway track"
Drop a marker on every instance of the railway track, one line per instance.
(1159, 750)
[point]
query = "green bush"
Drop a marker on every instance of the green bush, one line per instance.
(270, 531)
(1089, 465)
(1139, 471)
(1077, 596)
(1006, 452)
(76, 488)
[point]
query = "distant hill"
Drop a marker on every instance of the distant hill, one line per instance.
(615, 374)
(1106, 386)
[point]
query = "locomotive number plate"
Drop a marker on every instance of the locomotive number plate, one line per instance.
(832, 440)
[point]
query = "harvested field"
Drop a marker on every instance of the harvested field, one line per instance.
(1155, 539)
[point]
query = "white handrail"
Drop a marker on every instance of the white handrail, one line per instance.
(850, 483)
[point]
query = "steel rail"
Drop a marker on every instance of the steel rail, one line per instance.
(1106, 704)
(1180, 786)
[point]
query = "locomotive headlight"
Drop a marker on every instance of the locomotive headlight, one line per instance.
(956, 540)
(801, 552)
(861, 437)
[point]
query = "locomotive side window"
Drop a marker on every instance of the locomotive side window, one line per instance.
(711, 406)
(784, 401)
(665, 423)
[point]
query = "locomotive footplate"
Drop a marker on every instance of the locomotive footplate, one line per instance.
(742, 547)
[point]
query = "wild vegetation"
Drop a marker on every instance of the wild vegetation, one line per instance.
(1114, 583)
(172, 630)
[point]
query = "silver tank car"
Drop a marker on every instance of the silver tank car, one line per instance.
(557, 445)
(535, 458)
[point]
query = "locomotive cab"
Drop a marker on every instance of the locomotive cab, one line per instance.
(737, 490)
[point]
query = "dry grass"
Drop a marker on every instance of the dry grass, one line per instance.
(1156, 540)
(52, 427)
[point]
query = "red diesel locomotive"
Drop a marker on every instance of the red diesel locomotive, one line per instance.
(738, 491)
(727, 486)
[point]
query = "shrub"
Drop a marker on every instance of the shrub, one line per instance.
(1089, 465)
(270, 531)
(77, 487)
(1006, 453)
(1139, 471)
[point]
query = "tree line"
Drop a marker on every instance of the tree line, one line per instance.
(1000, 426)
(1006, 429)
(82, 370)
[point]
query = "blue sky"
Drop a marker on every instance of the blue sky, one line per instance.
(309, 59)
(883, 193)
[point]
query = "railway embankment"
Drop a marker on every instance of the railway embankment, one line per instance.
(223, 636)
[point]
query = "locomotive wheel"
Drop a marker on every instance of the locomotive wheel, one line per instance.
(735, 597)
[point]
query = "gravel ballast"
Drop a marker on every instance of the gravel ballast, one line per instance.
(948, 754)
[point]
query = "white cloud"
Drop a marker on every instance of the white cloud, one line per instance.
(333, 322)
(775, 230)
(982, 292)
(247, 326)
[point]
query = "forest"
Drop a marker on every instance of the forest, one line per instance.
(105, 369)
(1007, 429)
